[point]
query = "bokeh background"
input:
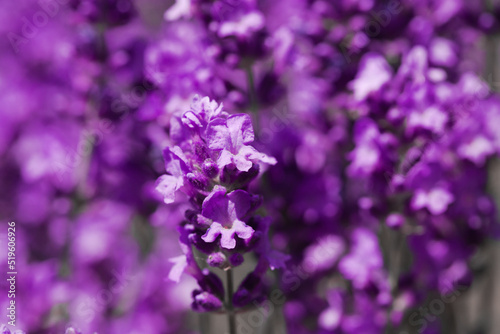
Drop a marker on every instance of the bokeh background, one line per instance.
(359, 100)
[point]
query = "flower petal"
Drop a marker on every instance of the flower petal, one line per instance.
(227, 240)
(218, 136)
(213, 232)
(225, 159)
(242, 230)
(215, 206)
(241, 130)
(180, 264)
(167, 185)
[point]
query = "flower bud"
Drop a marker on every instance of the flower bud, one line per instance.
(205, 301)
(236, 259)
(217, 259)
(210, 168)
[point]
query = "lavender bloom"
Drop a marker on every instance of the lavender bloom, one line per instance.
(223, 213)
(68, 99)
(213, 148)
(383, 131)
(209, 136)
(232, 137)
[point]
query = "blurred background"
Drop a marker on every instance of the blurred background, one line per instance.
(87, 92)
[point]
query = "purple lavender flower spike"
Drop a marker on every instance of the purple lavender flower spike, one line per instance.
(384, 131)
(382, 128)
(211, 149)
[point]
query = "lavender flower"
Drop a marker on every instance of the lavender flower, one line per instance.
(211, 165)
(375, 111)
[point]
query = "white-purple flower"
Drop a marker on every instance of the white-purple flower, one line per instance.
(225, 212)
(232, 137)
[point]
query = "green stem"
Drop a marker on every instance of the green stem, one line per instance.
(252, 96)
(230, 309)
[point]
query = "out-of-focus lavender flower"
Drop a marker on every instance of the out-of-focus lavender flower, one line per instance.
(68, 98)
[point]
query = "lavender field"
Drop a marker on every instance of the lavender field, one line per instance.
(249, 166)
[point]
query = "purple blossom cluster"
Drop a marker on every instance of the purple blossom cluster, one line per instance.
(211, 166)
(335, 153)
(77, 173)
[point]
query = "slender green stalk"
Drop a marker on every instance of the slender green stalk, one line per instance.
(252, 95)
(230, 309)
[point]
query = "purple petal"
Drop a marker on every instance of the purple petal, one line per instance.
(477, 150)
(323, 254)
(180, 264)
(175, 161)
(330, 318)
(248, 23)
(215, 206)
(374, 73)
(218, 136)
(167, 185)
(227, 240)
(225, 159)
(213, 232)
(240, 127)
(241, 162)
(255, 156)
(242, 230)
(240, 203)
(277, 259)
(438, 200)
(191, 120)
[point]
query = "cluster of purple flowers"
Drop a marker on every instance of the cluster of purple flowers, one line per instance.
(77, 172)
(345, 144)
(211, 166)
(381, 128)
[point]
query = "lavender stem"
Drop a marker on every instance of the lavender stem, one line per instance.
(230, 310)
